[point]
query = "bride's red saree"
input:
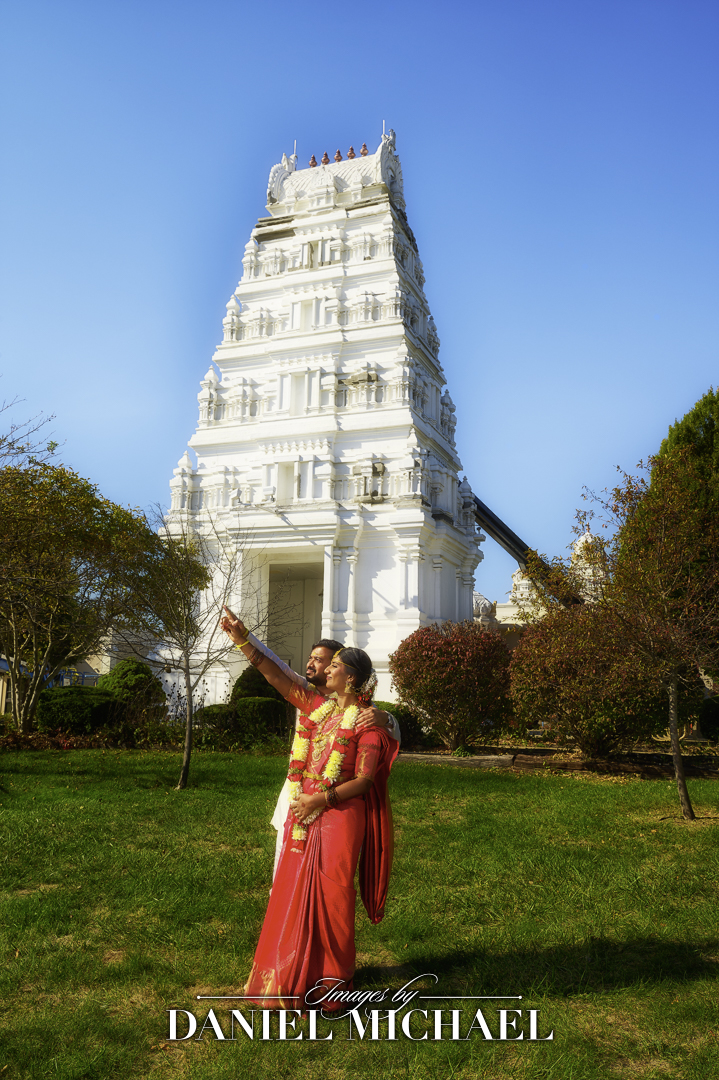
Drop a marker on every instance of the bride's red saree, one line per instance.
(309, 930)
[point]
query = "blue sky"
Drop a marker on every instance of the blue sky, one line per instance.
(560, 163)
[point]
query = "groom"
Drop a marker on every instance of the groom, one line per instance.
(319, 660)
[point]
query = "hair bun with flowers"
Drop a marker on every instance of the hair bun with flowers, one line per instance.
(366, 690)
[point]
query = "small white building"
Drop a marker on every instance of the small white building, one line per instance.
(326, 432)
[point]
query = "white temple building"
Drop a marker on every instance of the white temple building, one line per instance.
(326, 434)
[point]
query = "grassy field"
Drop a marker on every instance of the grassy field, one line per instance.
(122, 898)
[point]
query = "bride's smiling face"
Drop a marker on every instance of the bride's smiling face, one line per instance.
(337, 676)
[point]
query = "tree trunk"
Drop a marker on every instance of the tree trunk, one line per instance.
(19, 691)
(684, 800)
(185, 770)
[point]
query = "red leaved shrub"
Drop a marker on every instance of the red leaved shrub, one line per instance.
(455, 678)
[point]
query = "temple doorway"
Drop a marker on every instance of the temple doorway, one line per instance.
(295, 596)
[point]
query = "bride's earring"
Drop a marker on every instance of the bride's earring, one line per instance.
(349, 687)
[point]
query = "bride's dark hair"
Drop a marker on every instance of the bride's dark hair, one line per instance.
(358, 663)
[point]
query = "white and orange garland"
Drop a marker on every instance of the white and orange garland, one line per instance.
(333, 768)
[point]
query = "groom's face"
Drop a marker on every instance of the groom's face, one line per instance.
(317, 664)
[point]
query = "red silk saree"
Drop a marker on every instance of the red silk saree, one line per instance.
(309, 930)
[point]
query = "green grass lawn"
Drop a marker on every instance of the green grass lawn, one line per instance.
(122, 898)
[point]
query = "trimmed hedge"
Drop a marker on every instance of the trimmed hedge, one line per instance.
(251, 721)
(125, 707)
(262, 715)
(219, 717)
(78, 710)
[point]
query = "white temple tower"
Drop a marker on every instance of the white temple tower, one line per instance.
(325, 431)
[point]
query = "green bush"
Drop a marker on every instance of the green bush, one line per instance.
(251, 721)
(140, 693)
(78, 710)
(258, 717)
(218, 717)
(253, 684)
(409, 726)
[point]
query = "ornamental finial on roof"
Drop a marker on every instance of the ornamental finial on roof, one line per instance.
(351, 153)
(338, 156)
(325, 159)
(364, 151)
(313, 162)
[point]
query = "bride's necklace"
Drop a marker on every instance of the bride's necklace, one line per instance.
(333, 767)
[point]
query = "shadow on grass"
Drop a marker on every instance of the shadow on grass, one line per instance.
(597, 964)
(140, 770)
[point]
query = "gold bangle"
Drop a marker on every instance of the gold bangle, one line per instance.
(242, 644)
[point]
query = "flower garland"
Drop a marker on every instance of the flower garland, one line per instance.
(333, 768)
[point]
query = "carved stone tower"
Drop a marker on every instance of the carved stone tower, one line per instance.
(325, 431)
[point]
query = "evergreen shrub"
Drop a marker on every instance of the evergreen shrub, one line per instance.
(77, 710)
(218, 717)
(261, 716)
(253, 684)
(137, 690)
(251, 721)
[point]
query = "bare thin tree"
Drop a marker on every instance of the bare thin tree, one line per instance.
(201, 567)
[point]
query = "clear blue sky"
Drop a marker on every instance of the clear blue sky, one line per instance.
(560, 164)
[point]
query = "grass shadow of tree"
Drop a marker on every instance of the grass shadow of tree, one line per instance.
(594, 965)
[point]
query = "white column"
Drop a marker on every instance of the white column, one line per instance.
(352, 557)
(413, 558)
(468, 589)
(437, 573)
(329, 590)
(403, 557)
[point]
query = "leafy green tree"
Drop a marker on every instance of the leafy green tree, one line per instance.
(657, 571)
(455, 676)
(664, 562)
(71, 566)
(697, 434)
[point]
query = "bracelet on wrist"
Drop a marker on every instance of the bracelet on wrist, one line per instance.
(332, 798)
(242, 643)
